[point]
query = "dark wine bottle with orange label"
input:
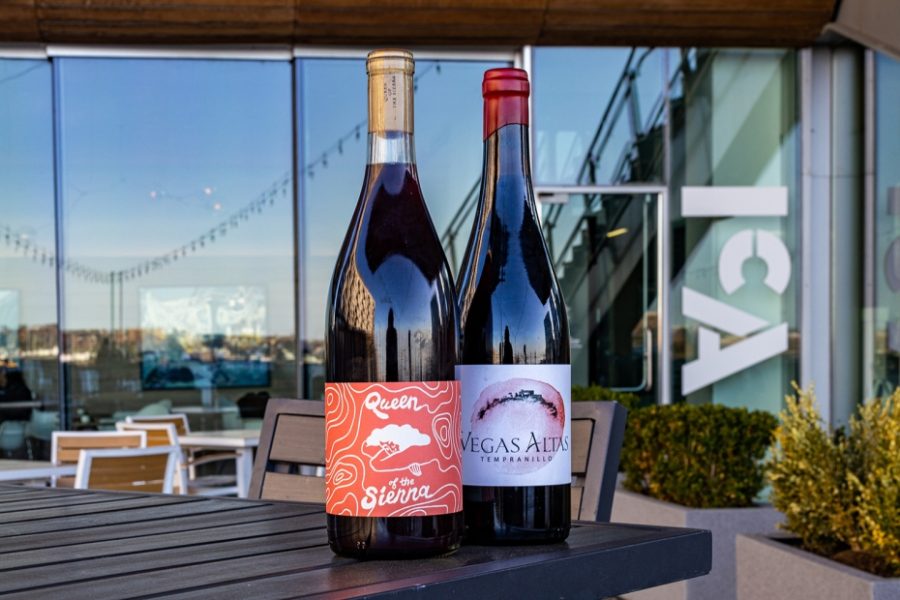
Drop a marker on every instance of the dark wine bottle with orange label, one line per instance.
(514, 368)
(393, 481)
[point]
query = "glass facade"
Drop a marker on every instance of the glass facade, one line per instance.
(29, 374)
(885, 375)
(598, 115)
(191, 211)
(176, 197)
(606, 265)
(735, 200)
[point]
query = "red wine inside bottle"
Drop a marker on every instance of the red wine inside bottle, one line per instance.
(514, 370)
(393, 480)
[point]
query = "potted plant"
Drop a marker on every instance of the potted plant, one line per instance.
(840, 494)
(697, 466)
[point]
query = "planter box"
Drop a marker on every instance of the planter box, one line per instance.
(724, 523)
(773, 570)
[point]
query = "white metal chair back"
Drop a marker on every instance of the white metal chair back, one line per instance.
(158, 434)
(129, 469)
(179, 420)
(163, 434)
(65, 446)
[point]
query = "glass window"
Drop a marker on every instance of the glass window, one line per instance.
(599, 115)
(332, 119)
(178, 235)
(735, 288)
(604, 253)
(28, 333)
(885, 375)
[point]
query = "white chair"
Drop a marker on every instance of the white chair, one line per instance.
(166, 434)
(179, 420)
(129, 469)
(66, 446)
(194, 458)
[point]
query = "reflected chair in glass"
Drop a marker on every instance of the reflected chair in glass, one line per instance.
(598, 429)
(66, 446)
(166, 434)
(291, 456)
(130, 469)
(40, 428)
(12, 436)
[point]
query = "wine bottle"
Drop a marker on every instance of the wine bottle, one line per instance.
(514, 370)
(392, 477)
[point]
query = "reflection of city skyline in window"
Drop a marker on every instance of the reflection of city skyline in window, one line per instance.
(202, 337)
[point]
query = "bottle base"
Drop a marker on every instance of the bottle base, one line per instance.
(517, 537)
(517, 515)
(377, 538)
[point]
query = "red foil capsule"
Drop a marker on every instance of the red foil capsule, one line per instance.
(505, 94)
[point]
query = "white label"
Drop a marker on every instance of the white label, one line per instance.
(516, 424)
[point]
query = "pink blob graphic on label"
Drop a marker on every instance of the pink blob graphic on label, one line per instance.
(519, 424)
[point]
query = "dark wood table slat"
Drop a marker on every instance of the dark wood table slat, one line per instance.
(535, 577)
(168, 580)
(134, 515)
(171, 541)
(72, 510)
(235, 549)
(30, 493)
(55, 502)
(77, 574)
(241, 513)
(477, 562)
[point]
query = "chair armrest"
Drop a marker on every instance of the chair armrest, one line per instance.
(194, 461)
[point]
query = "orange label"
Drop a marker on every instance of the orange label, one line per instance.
(392, 449)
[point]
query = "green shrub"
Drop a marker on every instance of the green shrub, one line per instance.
(702, 456)
(595, 392)
(840, 491)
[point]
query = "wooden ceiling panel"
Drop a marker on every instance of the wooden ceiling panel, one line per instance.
(422, 26)
(165, 21)
(685, 22)
(417, 22)
(688, 6)
(17, 21)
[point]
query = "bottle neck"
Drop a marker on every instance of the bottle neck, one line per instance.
(507, 164)
(508, 152)
(387, 147)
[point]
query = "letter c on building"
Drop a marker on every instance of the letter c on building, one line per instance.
(739, 249)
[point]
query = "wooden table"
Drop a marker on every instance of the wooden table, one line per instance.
(77, 544)
(241, 441)
(19, 470)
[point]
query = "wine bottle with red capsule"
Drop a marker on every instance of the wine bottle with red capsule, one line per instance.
(393, 486)
(514, 368)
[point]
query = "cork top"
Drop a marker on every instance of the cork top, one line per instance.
(390, 60)
(390, 90)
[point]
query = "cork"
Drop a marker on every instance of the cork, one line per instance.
(390, 90)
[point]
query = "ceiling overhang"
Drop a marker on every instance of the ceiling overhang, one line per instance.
(418, 22)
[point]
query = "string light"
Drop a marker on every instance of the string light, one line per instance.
(256, 206)
(356, 131)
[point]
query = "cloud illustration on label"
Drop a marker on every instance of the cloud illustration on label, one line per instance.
(395, 439)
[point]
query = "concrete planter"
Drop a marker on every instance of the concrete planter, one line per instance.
(768, 569)
(724, 523)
